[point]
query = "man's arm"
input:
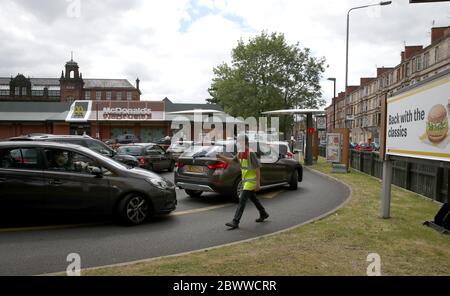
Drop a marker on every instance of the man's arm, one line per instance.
(258, 179)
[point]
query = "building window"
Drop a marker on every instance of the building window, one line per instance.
(24, 91)
(419, 63)
(37, 93)
(119, 96)
(426, 60)
(129, 96)
(98, 95)
(87, 95)
(109, 95)
(436, 54)
(4, 90)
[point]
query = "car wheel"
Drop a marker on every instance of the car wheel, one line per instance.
(171, 167)
(194, 193)
(133, 210)
(237, 190)
(293, 184)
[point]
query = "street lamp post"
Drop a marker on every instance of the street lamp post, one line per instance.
(334, 101)
(383, 3)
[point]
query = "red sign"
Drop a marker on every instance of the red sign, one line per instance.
(311, 131)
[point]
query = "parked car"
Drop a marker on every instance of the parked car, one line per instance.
(178, 148)
(85, 141)
(364, 147)
(375, 146)
(164, 142)
(45, 176)
(149, 156)
(199, 170)
(127, 139)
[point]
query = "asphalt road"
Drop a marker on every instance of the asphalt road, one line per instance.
(37, 248)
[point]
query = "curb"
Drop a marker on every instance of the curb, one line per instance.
(319, 218)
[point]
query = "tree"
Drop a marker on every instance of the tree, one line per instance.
(268, 74)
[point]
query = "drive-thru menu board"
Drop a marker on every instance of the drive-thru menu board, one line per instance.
(417, 121)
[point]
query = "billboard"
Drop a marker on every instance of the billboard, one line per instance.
(334, 143)
(417, 121)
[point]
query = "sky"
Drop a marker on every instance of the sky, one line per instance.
(173, 46)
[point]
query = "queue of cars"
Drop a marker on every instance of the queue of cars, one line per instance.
(49, 172)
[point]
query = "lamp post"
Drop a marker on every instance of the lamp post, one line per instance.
(383, 3)
(334, 101)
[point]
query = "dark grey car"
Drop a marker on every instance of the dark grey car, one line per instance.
(43, 176)
(85, 141)
(199, 170)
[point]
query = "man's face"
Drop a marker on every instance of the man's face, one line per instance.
(60, 159)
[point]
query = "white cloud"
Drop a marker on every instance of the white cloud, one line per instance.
(174, 45)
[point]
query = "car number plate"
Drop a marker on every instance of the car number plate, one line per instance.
(195, 169)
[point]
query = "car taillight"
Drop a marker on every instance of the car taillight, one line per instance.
(218, 165)
(290, 155)
(179, 164)
(142, 160)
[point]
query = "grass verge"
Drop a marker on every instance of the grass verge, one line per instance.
(337, 245)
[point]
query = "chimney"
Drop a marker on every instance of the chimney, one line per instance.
(437, 33)
(137, 83)
(365, 81)
(411, 51)
(381, 71)
(402, 56)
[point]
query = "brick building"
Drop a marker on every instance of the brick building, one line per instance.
(110, 107)
(363, 104)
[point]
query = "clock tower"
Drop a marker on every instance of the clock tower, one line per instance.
(71, 82)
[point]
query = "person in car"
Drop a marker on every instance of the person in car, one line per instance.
(251, 177)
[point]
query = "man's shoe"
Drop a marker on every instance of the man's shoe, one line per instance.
(262, 218)
(232, 225)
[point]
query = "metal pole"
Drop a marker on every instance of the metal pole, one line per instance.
(309, 141)
(386, 193)
(98, 128)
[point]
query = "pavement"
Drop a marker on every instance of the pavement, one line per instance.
(41, 247)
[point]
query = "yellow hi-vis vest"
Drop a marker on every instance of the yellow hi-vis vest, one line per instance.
(248, 175)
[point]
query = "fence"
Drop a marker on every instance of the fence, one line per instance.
(427, 180)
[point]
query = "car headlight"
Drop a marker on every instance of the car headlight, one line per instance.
(160, 183)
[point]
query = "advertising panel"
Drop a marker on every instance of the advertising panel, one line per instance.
(417, 122)
(334, 143)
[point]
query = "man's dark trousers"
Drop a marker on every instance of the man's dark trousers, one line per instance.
(246, 195)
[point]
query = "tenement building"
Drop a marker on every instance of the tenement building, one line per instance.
(363, 103)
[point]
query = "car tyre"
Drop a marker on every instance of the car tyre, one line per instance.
(193, 193)
(134, 209)
(237, 190)
(171, 167)
(293, 184)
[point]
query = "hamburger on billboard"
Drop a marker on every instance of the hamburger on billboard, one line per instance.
(417, 122)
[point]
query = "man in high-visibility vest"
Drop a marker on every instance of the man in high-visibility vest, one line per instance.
(251, 176)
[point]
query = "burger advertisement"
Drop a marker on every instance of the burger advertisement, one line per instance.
(417, 122)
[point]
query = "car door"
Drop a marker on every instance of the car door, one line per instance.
(157, 157)
(69, 183)
(284, 165)
(268, 165)
(21, 178)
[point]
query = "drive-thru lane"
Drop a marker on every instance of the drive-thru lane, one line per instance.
(197, 224)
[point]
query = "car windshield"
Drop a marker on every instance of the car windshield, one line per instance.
(130, 150)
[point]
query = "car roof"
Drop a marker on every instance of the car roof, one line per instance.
(44, 137)
(40, 144)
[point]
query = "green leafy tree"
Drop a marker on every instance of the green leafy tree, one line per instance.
(268, 74)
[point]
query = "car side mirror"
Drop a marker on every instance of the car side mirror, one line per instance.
(97, 172)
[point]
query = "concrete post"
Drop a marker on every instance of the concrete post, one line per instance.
(309, 141)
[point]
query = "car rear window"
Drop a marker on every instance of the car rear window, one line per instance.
(130, 150)
(204, 151)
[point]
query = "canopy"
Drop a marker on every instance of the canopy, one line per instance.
(296, 111)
